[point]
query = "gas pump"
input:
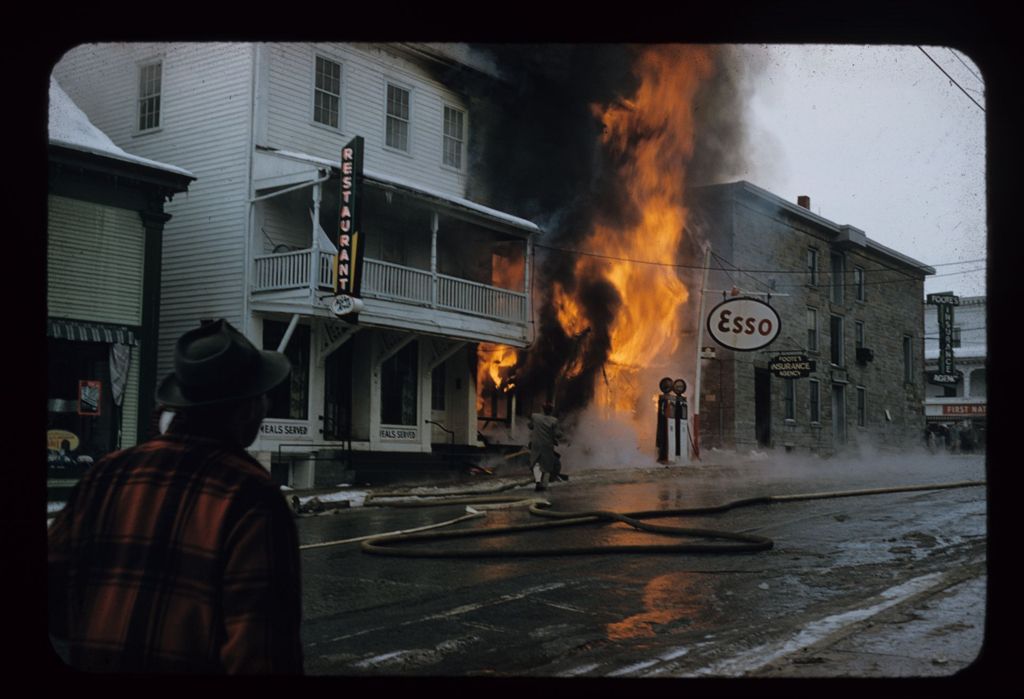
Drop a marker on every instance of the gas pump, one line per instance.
(672, 432)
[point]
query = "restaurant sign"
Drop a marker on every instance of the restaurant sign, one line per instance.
(349, 262)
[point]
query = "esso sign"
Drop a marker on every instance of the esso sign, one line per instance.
(744, 324)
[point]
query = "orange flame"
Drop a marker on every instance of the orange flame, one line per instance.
(494, 371)
(654, 130)
(496, 362)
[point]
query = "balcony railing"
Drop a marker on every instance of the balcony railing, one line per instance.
(391, 282)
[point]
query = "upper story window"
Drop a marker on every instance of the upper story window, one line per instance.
(812, 266)
(789, 399)
(838, 276)
(956, 336)
(397, 130)
(858, 334)
(858, 283)
(150, 78)
(327, 92)
(454, 136)
(812, 329)
(836, 333)
(908, 359)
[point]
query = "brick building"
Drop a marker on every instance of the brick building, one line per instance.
(852, 307)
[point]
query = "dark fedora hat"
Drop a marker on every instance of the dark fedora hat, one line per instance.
(217, 364)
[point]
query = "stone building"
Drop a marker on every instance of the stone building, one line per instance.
(850, 307)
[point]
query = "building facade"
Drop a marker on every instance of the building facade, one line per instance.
(104, 228)
(850, 313)
(263, 127)
(957, 414)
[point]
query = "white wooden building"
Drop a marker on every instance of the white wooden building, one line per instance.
(262, 125)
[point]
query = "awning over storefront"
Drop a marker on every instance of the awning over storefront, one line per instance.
(79, 331)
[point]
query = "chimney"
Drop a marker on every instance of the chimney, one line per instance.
(804, 201)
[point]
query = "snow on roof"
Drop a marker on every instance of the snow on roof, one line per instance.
(71, 128)
(417, 188)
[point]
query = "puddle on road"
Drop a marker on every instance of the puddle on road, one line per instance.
(668, 598)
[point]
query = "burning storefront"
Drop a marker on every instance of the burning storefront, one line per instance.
(616, 269)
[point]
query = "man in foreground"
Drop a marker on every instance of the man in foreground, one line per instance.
(180, 554)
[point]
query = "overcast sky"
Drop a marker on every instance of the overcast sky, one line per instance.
(880, 139)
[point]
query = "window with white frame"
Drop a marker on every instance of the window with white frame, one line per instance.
(862, 408)
(812, 329)
(814, 386)
(327, 92)
(838, 276)
(908, 359)
(858, 283)
(150, 86)
(397, 127)
(836, 340)
(454, 136)
(812, 266)
(290, 399)
(399, 387)
(789, 399)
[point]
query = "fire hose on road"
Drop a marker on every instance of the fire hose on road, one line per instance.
(408, 543)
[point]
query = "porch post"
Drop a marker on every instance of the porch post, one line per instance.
(433, 259)
(314, 251)
(528, 259)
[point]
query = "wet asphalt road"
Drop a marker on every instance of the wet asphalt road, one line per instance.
(841, 593)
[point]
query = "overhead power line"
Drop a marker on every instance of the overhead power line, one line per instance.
(951, 79)
(677, 265)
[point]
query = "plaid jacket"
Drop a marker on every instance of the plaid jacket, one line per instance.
(178, 555)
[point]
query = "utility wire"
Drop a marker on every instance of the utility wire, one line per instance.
(679, 265)
(964, 64)
(952, 80)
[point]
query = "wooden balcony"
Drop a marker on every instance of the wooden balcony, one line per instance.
(389, 282)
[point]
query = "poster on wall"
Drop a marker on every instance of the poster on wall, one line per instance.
(89, 397)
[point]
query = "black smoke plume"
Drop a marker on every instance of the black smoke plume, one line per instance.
(536, 148)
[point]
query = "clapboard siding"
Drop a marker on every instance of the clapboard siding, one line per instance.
(95, 259)
(365, 72)
(206, 103)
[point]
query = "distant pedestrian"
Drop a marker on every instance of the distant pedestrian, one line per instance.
(180, 554)
(545, 434)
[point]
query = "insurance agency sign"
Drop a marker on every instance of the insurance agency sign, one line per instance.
(743, 324)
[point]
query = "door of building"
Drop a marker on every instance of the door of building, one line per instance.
(763, 407)
(838, 414)
(338, 394)
(439, 406)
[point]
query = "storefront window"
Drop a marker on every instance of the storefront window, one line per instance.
(399, 380)
(82, 420)
(290, 400)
